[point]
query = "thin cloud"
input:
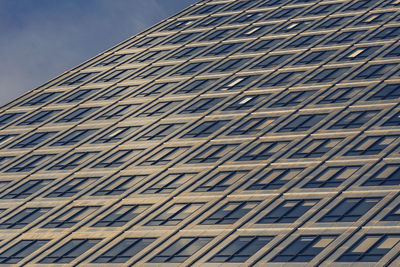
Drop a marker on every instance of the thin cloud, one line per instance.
(43, 38)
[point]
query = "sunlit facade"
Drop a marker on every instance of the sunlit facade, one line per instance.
(233, 133)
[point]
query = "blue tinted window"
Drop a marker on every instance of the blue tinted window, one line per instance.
(288, 211)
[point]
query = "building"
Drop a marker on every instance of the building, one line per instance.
(236, 132)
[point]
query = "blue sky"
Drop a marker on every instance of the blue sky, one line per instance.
(40, 39)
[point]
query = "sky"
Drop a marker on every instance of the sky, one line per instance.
(40, 39)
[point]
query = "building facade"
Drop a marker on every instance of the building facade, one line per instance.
(234, 133)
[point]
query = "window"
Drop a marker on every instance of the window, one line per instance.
(370, 248)
(27, 189)
(153, 71)
(39, 117)
(252, 126)
(117, 112)
(284, 13)
(191, 68)
(252, 30)
(394, 52)
(169, 183)
(72, 187)
(175, 214)
(187, 52)
(224, 49)
(74, 137)
(354, 119)
(316, 148)
(196, 86)
(78, 79)
(391, 3)
(271, 3)
(31, 162)
(78, 96)
(212, 21)
(272, 61)
(119, 185)
(149, 56)
(121, 216)
(288, 211)
(295, 26)
(8, 117)
(372, 145)
(374, 71)
(71, 217)
(334, 22)
(70, 251)
(360, 53)
(159, 108)
(350, 209)
(248, 101)
(247, 17)
(73, 160)
(315, 57)
(161, 131)
(346, 37)
(201, 105)
(21, 250)
(387, 33)
(264, 45)
(116, 92)
(239, 5)
(124, 250)
(274, 179)
(6, 138)
(322, 9)
(23, 218)
(393, 121)
(304, 248)
(205, 129)
(34, 140)
(332, 176)
(220, 181)
(302, 123)
(263, 150)
(116, 134)
(217, 34)
(5, 160)
(164, 156)
(328, 75)
(113, 59)
(393, 215)
(77, 114)
(118, 158)
(178, 24)
(157, 88)
(303, 41)
(341, 95)
(182, 249)
(231, 65)
(389, 91)
(183, 38)
(241, 249)
(360, 5)
(213, 153)
(116, 75)
(387, 175)
(231, 212)
(238, 82)
(41, 99)
(283, 78)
